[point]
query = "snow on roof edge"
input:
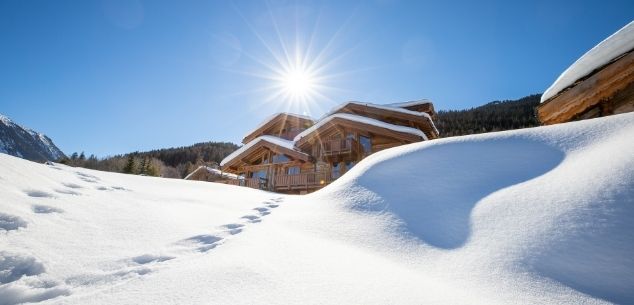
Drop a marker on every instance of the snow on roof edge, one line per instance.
(385, 107)
(214, 171)
(616, 44)
(410, 103)
(361, 119)
(271, 139)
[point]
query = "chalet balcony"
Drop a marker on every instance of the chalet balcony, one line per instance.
(256, 183)
(286, 182)
(339, 147)
(301, 181)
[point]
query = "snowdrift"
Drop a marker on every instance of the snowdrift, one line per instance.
(534, 216)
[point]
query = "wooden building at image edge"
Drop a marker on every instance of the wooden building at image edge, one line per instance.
(291, 153)
(600, 83)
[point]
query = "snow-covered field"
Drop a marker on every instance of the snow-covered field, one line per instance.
(535, 216)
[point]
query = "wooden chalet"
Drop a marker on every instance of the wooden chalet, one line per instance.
(293, 154)
(600, 83)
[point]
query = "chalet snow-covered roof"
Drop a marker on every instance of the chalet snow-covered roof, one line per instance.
(410, 103)
(275, 115)
(213, 171)
(290, 145)
(603, 53)
(384, 107)
(363, 120)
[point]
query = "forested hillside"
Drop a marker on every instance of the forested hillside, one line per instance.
(169, 162)
(494, 116)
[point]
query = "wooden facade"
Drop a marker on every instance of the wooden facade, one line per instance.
(293, 154)
(606, 91)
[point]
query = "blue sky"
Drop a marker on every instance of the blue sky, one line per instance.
(109, 77)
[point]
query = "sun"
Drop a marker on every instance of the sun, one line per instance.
(298, 83)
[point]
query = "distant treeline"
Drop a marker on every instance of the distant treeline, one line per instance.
(494, 116)
(169, 162)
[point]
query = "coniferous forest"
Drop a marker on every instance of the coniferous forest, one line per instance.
(168, 162)
(494, 116)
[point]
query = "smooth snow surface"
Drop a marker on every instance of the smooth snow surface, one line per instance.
(532, 216)
(618, 43)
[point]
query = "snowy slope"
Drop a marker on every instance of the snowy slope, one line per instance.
(25, 143)
(533, 216)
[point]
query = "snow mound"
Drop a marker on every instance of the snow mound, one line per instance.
(532, 216)
(549, 206)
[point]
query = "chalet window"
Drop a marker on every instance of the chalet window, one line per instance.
(259, 174)
(335, 170)
(278, 158)
(293, 170)
(366, 144)
(265, 159)
(349, 165)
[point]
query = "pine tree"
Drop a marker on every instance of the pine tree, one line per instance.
(151, 169)
(82, 156)
(74, 156)
(130, 165)
(143, 167)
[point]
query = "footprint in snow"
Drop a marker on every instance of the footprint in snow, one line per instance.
(89, 180)
(72, 185)
(263, 211)
(10, 223)
(44, 209)
(87, 175)
(14, 266)
(23, 280)
(252, 218)
(39, 194)
(149, 258)
(205, 242)
(102, 188)
(234, 228)
(67, 192)
(119, 188)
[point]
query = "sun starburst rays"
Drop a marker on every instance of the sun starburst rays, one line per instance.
(297, 72)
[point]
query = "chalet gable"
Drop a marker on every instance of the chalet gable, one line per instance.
(283, 125)
(249, 152)
(390, 114)
(356, 122)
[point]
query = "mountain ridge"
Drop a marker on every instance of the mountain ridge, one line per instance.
(26, 143)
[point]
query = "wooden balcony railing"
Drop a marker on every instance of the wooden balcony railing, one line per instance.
(256, 183)
(284, 182)
(301, 181)
(337, 147)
